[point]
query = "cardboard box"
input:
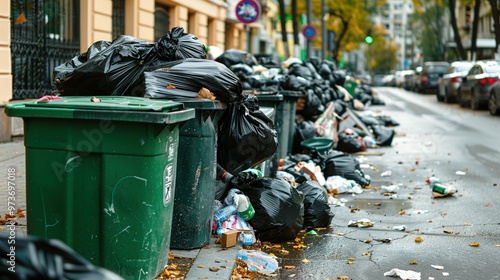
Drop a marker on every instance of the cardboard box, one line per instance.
(229, 238)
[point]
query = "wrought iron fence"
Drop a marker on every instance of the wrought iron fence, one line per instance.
(118, 18)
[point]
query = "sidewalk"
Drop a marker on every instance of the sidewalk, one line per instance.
(211, 262)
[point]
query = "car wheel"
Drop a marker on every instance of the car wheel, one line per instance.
(438, 96)
(493, 105)
(446, 97)
(458, 97)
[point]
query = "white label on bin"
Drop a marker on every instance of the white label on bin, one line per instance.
(171, 151)
(168, 184)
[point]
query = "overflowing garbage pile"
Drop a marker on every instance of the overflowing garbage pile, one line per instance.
(331, 124)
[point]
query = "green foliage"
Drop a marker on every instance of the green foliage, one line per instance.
(429, 20)
(381, 55)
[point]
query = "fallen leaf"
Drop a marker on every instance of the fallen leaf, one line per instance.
(340, 233)
(284, 252)
(367, 253)
(272, 255)
(342, 277)
(350, 262)
(306, 261)
(489, 204)
(201, 266)
(354, 209)
(20, 213)
(402, 212)
(288, 267)
(448, 231)
(367, 241)
(474, 244)
(377, 204)
(413, 169)
(351, 259)
(291, 275)
(214, 269)
(170, 86)
(418, 239)
(414, 262)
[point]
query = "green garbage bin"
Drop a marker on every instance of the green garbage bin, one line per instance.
(196, 172)
(267, 167)
(100, 176)
(287, 120)
(351, 86)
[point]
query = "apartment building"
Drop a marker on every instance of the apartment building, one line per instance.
(38, 35)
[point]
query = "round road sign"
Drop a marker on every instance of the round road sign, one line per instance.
(247, 11)
(309, 31)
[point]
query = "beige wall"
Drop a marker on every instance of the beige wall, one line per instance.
(95, 22)
(5, 57)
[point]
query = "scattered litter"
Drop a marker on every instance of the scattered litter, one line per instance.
(474, 244)
(258, 261)
(386, 240)
(402, 227)
(414, 262)
(448, 231)
(418, 239)
(391, 188)
(432, 180)
(360, 223)
(335, 202)
(367, 253)
(338, 184)
(312, 232)
(442, 189)
(438, 267)
(420, 211)
(306, 261)
(402, 212)
(386, 173)
(461, 173)
(403, 274)
(430, 278)
(498, 245)
(342, 277)
(365, 165)
(446, 274)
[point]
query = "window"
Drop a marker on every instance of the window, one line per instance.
(118, 18)
(162, 21)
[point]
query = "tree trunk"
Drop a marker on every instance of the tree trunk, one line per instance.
(495, 10)
(458, 40)
(296, 42)
(283, 28)
(475, 25)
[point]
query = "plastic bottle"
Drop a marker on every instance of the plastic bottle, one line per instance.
(432, 180)
(244, 207)
(436, 187)
(229, 200)
(224, 213)
(258, 261)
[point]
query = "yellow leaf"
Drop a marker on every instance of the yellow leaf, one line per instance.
(367, 241)
(201, 266)
(351, 259)
(342, 277)
(306, 261)
(448, 231)
(367, 253)
(288, 267)
(402, 212)
(418, 239)
(414, 262)
(474, 244)
(272, 255)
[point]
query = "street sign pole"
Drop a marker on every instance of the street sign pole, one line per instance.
(309, 17)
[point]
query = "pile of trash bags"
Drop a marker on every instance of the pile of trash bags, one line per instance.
(271, 208)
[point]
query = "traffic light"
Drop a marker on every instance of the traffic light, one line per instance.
(369, 38)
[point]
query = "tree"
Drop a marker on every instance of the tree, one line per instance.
(349, 19)
(495, 12)
(429, 13)
(475, 25)
(381, 55)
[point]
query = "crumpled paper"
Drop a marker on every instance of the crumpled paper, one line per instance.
(403, 274)
(360, 223)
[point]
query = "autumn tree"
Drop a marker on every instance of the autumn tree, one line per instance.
(430, 16)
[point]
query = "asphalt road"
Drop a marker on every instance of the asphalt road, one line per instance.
(433, 139)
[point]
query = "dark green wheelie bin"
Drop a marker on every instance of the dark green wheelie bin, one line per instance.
(195, 189)
(286, 122)
(101, 176)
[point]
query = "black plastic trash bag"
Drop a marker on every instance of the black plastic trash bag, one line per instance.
(247, 137)
(350, 142)
(313, 107)
(279, 209)
(383, 135)
(344, 165)
(317, 211)
(233, 56)
(115, 70)
(302, 131)
(179, 45)
(182, 79)
(46, 259)
(291, 82)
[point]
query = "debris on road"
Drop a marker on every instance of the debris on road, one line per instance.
(360, 223)
(403, 274)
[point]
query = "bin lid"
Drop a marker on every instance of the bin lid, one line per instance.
(123, 108)
(265, 95)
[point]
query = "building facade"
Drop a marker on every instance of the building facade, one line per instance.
(38, 35)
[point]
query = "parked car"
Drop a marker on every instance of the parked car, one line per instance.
(477, 84)
(494, 101)
(415, 81)
(408, 79)
(450, 82)
(431, 71)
